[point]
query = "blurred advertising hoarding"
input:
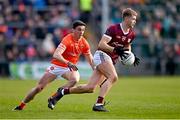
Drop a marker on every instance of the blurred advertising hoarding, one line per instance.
(35, 70)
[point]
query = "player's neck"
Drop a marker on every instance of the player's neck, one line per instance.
(125, 27)
(75, 38)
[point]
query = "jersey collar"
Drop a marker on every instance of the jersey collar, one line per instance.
(125, 33)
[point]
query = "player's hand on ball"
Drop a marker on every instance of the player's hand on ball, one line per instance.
(72, 67)
(136, 61)
(121, 51)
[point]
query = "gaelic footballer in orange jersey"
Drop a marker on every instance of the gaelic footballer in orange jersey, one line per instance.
(64, 62)
(72, 49)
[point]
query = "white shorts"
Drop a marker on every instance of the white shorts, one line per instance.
(57, 70)
(100, 56)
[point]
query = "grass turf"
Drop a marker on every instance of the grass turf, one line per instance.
(130, 97)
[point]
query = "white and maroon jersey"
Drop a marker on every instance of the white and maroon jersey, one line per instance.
(118, 38)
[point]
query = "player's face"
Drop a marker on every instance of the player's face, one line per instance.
(79, 31)
(132, 21)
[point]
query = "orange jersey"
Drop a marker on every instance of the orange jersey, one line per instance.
(73, 49)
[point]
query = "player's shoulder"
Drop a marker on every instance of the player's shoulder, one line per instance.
(67, 39)
(112, 26)
(68, 36)
(83, 40)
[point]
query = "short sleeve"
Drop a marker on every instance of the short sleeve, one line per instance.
(110, 31)
(63, 45)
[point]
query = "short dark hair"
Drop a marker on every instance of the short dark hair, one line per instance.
(127, 12)
(78, 23)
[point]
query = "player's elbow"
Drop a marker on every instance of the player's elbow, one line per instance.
(55, 56)
(100, 45)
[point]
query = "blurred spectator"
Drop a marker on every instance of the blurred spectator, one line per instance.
(4, 65)
(39, 4)
(57, 37)
(85, 9)
(31, 52)
(59, 18)
(22, 57)
(170, 64)
(48, 45)
(177, 49)
(24, 38)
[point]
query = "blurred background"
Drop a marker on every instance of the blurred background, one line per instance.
(30, 30)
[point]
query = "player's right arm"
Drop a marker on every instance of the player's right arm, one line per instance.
(58, 53)
(103, 44)
(106, 38)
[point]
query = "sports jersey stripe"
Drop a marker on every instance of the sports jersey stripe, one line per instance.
(107, 36)
(62, 46)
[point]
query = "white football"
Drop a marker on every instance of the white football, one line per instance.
(129, 60)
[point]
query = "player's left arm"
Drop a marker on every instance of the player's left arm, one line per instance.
(128, 47)
(89, 58)
(88, 55)
(137, 60)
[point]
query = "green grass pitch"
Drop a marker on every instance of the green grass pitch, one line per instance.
(130, 97)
